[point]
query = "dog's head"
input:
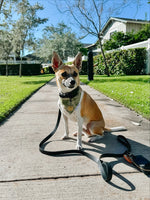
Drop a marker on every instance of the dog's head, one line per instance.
(67, 76)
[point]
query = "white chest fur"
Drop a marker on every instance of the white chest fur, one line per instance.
(75, 114)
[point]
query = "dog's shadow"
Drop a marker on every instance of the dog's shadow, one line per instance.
(110, 144)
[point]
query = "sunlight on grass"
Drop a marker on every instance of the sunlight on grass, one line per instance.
(132, 91)
(14, 90)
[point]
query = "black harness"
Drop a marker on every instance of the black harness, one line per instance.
(139, 161)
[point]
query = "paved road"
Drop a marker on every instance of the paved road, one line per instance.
(26, 174)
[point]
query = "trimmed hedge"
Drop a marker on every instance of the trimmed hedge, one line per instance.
(123, 62)
(27, 69)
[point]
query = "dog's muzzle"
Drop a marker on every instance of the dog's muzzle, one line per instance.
(69, 82)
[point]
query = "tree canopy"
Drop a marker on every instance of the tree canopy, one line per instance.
(22, 26)
(60, 39)
(17, 32)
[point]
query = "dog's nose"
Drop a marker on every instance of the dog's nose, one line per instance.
(72, 82)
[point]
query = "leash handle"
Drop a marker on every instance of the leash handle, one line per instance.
(125, 142)
(105, 169)
(139, 161)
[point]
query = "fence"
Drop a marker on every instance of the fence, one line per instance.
(18, 62)
(145, 44)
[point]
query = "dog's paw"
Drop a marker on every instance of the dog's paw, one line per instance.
(65, 137)
(79, 147)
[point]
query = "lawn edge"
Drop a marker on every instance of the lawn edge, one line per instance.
(17, 106)
(138, 113)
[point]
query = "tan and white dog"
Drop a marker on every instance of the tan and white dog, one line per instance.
(76, 104)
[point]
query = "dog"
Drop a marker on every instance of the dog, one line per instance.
(76, 104)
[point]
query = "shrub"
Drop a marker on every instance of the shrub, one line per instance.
(119, 39)
(31, 69)
(123, 62)
(27, 69)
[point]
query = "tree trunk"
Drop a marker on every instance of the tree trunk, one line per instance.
(106, 66)
(20, 67)
(6, 67)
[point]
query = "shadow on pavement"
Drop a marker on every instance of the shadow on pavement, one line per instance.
(110, 144)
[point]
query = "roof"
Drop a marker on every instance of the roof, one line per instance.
(85, 45)
(124, 20)
(91, 45)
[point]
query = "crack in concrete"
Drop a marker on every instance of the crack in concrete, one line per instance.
(58, 177)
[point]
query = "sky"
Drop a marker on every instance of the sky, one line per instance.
(54, 16)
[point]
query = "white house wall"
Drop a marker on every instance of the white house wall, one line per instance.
(115, 26)
(133, 27)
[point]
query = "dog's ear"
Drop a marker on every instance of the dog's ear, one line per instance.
(78, 61)
(56, 61)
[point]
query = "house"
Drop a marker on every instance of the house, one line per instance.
(115, 24)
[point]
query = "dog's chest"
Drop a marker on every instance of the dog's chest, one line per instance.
(73, 115)
(71, 107)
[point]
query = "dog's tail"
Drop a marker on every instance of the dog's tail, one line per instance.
(115, 129)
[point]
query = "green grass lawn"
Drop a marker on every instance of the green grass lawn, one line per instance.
(14, 90)
(132, 91)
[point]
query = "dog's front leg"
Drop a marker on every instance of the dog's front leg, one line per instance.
(66, 135)
(79, 134)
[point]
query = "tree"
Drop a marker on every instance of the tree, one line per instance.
(1, 3)
(6, 36)
(24, 26)
(4, 4)
(90, 12)
(6, 46)
(59, 39)
(91, 15)
(143, 34)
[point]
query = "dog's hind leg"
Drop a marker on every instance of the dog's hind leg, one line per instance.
(96, 129)
(66, 135)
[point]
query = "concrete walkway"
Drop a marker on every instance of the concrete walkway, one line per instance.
(26, 174)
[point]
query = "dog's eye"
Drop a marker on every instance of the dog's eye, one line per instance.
(64, 74)
(75, 74)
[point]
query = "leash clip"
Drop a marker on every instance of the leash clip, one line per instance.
(128, 157)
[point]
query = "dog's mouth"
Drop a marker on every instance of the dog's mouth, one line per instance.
(69, 82)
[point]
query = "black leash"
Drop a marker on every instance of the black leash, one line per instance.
(105, 169)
